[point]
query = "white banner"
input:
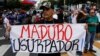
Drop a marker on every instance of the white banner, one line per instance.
(47, 38)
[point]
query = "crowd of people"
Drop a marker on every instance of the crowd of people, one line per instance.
(89, 15)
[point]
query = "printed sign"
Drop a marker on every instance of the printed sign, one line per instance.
(47, 38)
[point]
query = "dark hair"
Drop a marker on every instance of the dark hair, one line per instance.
(83, 6)
(79, 15)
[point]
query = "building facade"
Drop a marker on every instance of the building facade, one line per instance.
(98, 4)
(2, 3)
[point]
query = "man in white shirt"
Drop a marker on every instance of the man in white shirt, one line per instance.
(7, 28)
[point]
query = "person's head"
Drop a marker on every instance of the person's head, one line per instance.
(93, 6)
(92, 12)
(46, 5)
(83, 8)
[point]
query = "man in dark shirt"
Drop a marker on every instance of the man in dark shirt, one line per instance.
(47, 19)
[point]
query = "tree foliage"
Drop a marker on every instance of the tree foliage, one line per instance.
(13, 4)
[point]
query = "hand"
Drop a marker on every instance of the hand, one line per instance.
(8, 28)
(94, 24)
(86, 27)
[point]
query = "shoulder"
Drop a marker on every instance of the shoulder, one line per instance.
(96, 17)
(88, 16)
